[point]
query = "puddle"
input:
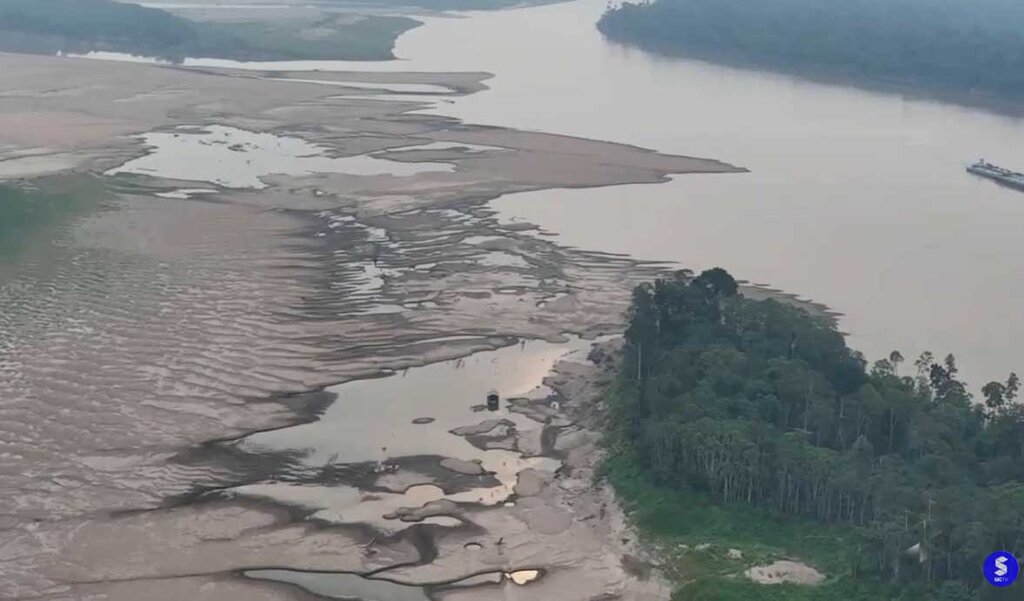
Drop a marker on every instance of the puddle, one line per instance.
(553, 299)
(236, 158)
(384, 87)
(502, 259)
(481, 239)
(429, 100)
(207, 6)
(423, 493)
(349, 505)
(364, 282)
(375, 414)
(185, 193)
(223, 63)
(350, 587)
(353, 587)
(523, 577)
(365, 285)
(468, 148)
(373, 421)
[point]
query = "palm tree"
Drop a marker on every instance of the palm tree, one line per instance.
(895, 358)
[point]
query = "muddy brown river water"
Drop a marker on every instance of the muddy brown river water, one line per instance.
(856, 199)
(171, 420)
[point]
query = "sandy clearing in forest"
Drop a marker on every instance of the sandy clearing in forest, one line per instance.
(785, 571)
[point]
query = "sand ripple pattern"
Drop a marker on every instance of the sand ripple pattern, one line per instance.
(146, 330)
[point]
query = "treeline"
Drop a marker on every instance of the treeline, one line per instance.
(81, 26)
(955, 45)
(758, 402)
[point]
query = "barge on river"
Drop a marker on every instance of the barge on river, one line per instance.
(1006, 177)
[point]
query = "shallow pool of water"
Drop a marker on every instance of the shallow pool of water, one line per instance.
(381, 420)
(236, 158)
(372, 420)
(350, 587)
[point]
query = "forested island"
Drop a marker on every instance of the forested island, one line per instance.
(80, 26)
(744, 421)
(974, 48)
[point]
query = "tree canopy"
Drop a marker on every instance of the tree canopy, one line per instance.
(975, 46)
(758, 402)
(80, 26)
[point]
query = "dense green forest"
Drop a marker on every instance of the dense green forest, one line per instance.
(759, 404)
(79, 26)
(974, 46)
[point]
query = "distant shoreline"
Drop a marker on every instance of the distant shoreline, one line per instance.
(1005, 107)
(644, 28)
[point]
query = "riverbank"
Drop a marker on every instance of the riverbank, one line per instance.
(218, 316)
(909, 47)
(749, 421)
(819, 186)
(685, 545)
(241, 32)
(341, 237)
(701, 549)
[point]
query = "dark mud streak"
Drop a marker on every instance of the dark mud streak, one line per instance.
(307, 406)
(374, 575)
(362, 476)
(333, 254)
(336, 252)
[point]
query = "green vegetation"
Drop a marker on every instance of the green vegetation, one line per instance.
(750, 424)
(952, 45)
(333, 37)
(679, 520)
(79, 26)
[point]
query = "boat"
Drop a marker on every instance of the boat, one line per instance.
(1003, 176)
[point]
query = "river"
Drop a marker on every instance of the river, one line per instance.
(856, 199)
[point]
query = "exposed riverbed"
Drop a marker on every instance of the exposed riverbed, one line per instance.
(172, 424)
(856, 199)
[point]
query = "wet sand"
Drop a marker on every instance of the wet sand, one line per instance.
(160, 357)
